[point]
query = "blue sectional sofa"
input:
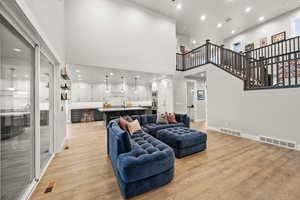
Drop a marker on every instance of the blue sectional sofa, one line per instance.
(140, 161)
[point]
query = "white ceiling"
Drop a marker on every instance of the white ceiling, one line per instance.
(217, 11)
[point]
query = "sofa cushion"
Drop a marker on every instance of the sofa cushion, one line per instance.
(133, 126)
(146, 119)
(171, 118)
(152, 128)
(123, 123)
(161, 118)
(148, 157)
(181, 137)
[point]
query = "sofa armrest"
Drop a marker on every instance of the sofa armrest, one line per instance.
(138, 165)
(184, 119)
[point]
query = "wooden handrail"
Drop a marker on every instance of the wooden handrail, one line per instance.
(270, 70)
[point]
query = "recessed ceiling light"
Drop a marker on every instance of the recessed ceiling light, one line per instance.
(194, 42)
(11, 89)
(179, 6)
(233, 32)
(219, 25)
(79, 76)
(111, 74)
(17, 50)
(248, 9)
(261, 18)
(77, 70)
(203, 17)
(137, 76)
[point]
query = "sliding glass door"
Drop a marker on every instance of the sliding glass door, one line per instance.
(16, 112)
(46, 114)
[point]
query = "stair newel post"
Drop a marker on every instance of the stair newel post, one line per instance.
(183, 61)
(222, 55)
(247, 71)
(208, 51)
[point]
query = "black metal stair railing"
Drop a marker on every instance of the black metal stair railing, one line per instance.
(277, 67)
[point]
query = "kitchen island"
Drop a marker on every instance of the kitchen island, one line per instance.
(111, 113)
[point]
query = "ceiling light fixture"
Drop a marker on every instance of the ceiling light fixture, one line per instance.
(194, 42)
(233, 32)
(203, 17)
(111, 73)
(261, 18)
(123, 84)
(77, 70)
(219, 25)
(106, 84)
(248, 9)
(179, 6)
(17, 50)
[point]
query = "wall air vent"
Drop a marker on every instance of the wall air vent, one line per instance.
(277, 142)
(230, 132)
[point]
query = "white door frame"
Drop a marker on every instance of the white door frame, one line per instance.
(186, 99)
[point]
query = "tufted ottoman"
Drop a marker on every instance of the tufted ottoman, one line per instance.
(184, 141)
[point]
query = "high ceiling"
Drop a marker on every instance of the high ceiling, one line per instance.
(217, 11)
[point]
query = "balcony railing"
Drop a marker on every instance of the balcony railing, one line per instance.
(273, 66)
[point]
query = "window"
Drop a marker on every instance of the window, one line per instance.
(296, 26)
(237, 47)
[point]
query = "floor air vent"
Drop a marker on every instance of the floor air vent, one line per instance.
(277, 142)
(230, 132)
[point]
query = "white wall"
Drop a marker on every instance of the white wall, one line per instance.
(274, 113)
(200, 107)
(119, 34)
(165, 96)
(47, 17)
(272, 27)
(88, 92)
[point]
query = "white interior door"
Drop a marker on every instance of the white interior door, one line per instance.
(190, 85)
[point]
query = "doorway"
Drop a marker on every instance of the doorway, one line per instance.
(190, 91)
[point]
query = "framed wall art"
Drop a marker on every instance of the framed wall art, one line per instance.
(263, 42)
(278, 37)
(201, 95)
(249, 47)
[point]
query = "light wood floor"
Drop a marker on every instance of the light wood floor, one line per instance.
(231, 168)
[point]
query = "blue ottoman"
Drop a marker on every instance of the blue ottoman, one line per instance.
(184, 141)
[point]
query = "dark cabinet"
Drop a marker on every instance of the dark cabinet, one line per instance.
(85, 115)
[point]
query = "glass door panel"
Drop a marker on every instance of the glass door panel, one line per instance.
(45, 110)
(16, 113)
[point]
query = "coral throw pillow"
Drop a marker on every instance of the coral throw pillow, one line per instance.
(171, 118)
(134, 126)
(123, 123)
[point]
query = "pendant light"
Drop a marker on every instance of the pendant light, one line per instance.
(123, 84)
(135, 84)
(106, 84)
(11, 87)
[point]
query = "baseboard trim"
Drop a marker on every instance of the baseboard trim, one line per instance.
(200, 120)
(249, 137)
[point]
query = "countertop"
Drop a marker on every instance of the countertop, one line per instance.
(112, 109)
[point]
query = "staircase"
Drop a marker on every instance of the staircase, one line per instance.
(273, 66)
